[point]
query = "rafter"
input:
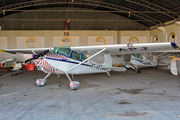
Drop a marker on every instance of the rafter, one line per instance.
(83, 2)
(155, 7)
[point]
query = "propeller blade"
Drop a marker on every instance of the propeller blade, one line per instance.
(38, 55)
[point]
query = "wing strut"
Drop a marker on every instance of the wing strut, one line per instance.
(161, 54)
(87, 59)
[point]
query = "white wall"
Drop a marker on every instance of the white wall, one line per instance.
(57, 40)
(38, 43)
(17, 39)
(100, 40)
(142, 36)
(3, 42)
(164, 35)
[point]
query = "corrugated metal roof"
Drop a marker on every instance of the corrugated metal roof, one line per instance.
(145, 12)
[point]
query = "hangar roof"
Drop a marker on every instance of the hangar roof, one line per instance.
(146, 12)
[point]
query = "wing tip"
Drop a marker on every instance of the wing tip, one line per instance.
(173, 44)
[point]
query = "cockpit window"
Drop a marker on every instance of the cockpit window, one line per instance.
(76, 55)
(83, 57)
(62, 50)
(68, 52)
(136, 55)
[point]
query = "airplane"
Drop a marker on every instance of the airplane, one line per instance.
(11, 63)
(155, 59)
(72, 60)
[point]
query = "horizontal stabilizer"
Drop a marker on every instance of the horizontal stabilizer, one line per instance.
(118, 69)
(162, 64)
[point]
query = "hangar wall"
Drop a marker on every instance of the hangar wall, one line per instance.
(170, 33)
(17, 39)
(52, 38)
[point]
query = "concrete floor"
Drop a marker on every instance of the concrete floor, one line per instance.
(150, 95)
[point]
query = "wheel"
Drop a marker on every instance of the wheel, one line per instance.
(139, 70)
(40, 82)
(74, 85)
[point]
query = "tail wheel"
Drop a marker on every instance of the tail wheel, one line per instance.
(40, 82)
(74, 85)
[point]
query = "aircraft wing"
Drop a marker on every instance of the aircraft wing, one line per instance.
(118, 49)
(27, 51)
(115, 49)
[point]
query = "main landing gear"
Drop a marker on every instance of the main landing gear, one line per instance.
(138, 70)
(73, 84)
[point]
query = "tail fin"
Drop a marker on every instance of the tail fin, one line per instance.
(107, 60)
(175, 66)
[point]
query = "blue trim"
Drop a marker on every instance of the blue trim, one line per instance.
(141, 61)
(71, 54)
(138, 60)
(63, 60)
(149, 63)
(77, 53)
(174, 45)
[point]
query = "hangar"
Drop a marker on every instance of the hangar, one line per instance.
(58, 23)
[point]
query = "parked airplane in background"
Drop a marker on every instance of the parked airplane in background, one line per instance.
(11, 63)
(156, 59)
(71, 60)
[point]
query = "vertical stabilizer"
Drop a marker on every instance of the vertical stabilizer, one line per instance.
(174, 67)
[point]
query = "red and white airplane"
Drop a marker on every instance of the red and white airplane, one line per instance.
(72, 60)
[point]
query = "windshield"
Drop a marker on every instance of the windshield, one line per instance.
(62, 50)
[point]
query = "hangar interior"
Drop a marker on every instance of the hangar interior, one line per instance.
(55, 23)
(149, 95)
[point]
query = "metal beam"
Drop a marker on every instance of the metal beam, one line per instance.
(155, 7)
(81, 2)
(145, 6)
(52, 19)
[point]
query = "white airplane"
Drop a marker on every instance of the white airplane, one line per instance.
(71, 60)
(155, 59)
(11, 63)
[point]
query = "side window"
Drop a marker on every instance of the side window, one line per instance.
(136, 55)
(76, 55)
(66, 52)
(10, 62)
(4, 64)
(83, 57)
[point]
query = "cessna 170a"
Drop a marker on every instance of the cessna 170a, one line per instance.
(72, 60)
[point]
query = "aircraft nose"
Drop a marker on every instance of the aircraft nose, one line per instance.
(36, 62)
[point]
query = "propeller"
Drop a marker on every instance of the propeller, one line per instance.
(38, 55)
